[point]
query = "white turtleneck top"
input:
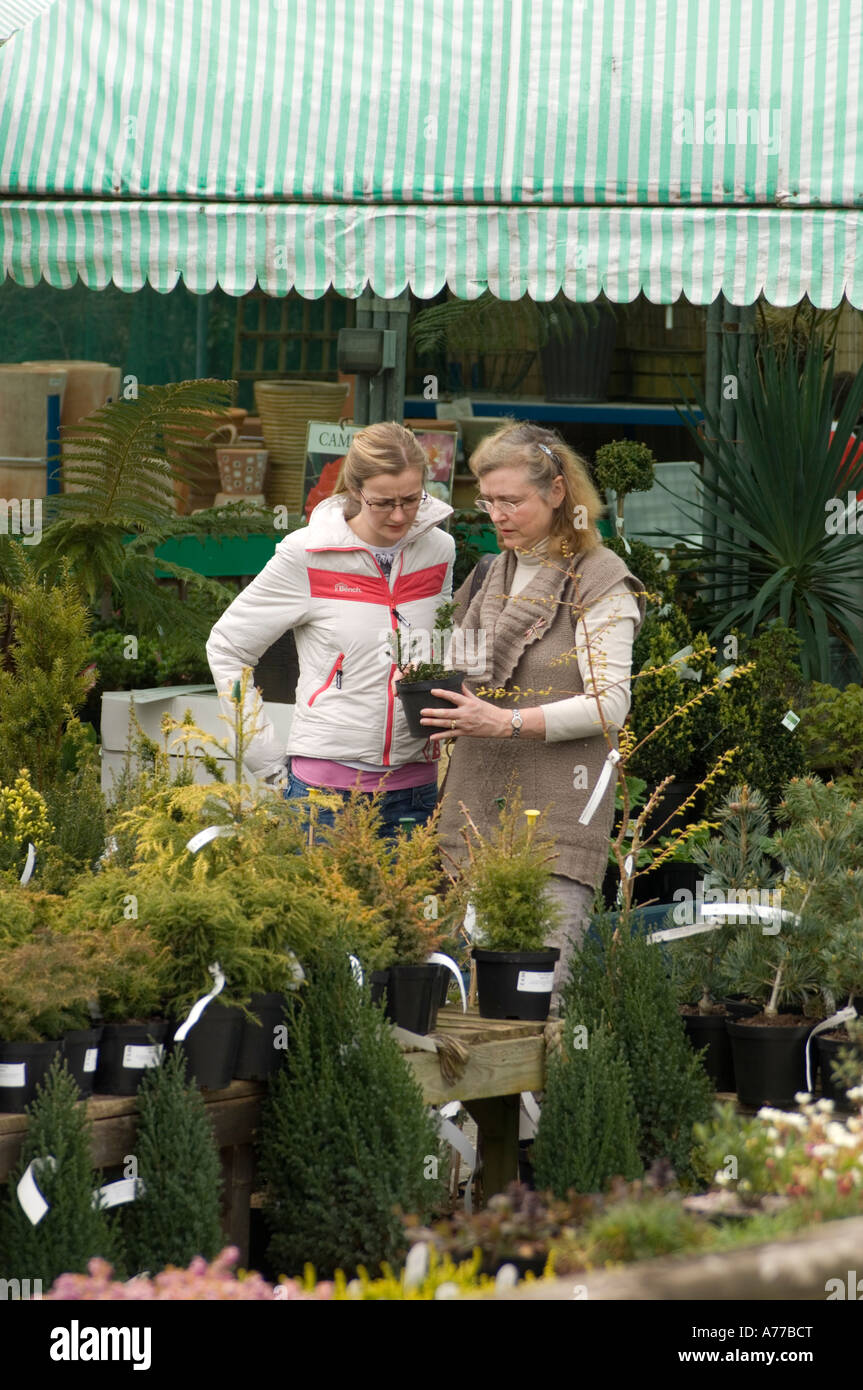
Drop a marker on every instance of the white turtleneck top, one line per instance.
(610, 626)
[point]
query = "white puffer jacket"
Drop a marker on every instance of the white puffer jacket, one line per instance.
(327, 586)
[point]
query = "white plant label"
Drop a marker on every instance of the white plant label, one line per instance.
(535, 981)
(791, 720)
(138, 1056)
(91, 1057)
(13, 1074)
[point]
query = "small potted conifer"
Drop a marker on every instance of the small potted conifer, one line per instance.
(506, 879)
(419, 678)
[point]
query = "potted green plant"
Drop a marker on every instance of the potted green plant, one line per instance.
(781, 964)
(45, 985)
(842, 1064)
(506, 880)
(402, 883)
(419, 678)
(624, 466)
(132, 987)
(733, 866)
(206, 934)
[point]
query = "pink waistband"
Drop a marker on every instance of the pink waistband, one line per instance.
(320, 772)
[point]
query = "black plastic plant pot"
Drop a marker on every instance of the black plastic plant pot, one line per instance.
(81, 1054)
(211, 1046)
(660, 885)
(827, 1050)
(415, 697)
(769, 1061)
(412, 995)
(515, 984)
(446, 979)
(708, 1030)
(126, 1051)
(258, 1054)
(22, 1067)
(738, 1007)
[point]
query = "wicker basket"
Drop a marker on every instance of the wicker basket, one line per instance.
(285, 408)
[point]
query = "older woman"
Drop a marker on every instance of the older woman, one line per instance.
(554, 589)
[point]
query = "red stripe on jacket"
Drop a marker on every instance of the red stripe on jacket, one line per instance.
(421, 584)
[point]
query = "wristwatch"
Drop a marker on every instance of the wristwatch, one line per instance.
(517, 722)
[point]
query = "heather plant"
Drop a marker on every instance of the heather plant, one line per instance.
(346, 1140)
(176, 1214)
(73, 1229)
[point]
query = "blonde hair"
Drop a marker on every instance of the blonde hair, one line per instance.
(546, 456)
(387, 447)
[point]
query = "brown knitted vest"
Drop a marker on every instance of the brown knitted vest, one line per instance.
(524, 637)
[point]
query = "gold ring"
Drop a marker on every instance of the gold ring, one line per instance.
(452, 723)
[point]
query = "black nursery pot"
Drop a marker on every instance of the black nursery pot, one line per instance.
(125, 1052)
(515, 984)
(211, 1046)
(738, 1007)
(81, 1055)
(415, 697)
(769, 1062)
(258, 1055)
(22, 1067)
(708, 1030)
(412, 995)
(827, 1050)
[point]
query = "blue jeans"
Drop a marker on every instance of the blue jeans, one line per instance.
(418, 802)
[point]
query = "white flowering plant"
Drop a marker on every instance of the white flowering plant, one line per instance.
(806, 1152)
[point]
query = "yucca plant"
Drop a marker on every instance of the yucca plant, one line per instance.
(774, 486)
(125, 461)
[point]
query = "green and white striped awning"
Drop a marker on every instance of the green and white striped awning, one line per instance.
(669, 146)
(14, 14)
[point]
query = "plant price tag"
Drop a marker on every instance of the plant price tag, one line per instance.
(13, 1074)
(791, 720)
(535, 981)
(136, 1057)
(91, 1057)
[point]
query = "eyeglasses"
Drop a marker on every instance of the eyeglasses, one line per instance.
(389, 504)
(488, 504)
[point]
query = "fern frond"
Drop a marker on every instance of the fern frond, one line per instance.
(126, 457)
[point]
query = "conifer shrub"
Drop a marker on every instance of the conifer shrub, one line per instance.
(347, 1142)
(176, 1214)
(621, 974)
(588, 1127)
(73, 1230)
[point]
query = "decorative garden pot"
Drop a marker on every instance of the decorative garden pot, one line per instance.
(515, 984)
(258, 1055)
(242, 469)
(769, 1059)
(125, 1052)
(708, 1030)
(211, 1046)
(22, 1067)
(412, 995)
(80, 1052)
(415, 697)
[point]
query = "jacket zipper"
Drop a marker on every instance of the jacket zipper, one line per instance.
(336, 673)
